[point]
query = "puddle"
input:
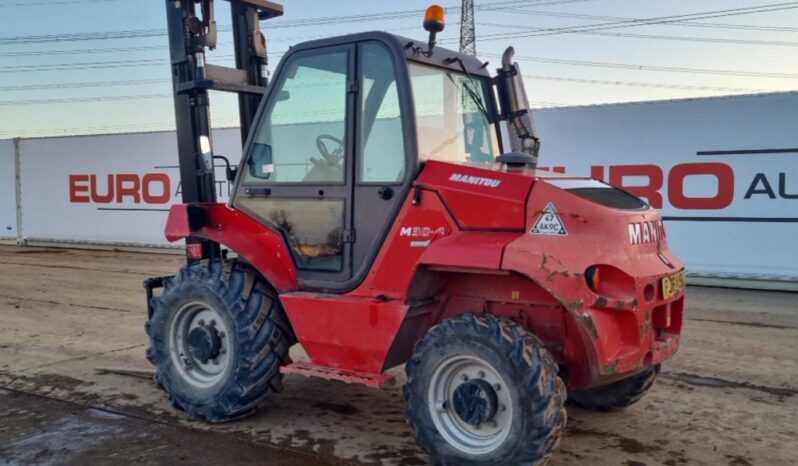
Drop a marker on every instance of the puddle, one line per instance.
(707, 381)
(105, 414)
(63, 440)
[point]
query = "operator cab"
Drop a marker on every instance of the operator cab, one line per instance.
(342, 133)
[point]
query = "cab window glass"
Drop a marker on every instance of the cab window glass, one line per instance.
(452, 116)
(382, 151)
(314, 228)
(302, 135)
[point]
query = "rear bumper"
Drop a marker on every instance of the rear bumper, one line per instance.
(616, 341)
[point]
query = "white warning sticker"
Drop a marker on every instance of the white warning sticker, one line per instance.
(549, 223)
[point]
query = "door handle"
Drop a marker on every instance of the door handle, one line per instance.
(385, 193)
(257, 191)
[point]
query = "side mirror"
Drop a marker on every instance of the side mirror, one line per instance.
(260, 161)
(283, 95)
(207, 153)
(231, 173)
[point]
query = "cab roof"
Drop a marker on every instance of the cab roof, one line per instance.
(411, 49)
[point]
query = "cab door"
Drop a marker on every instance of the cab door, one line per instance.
(385, 163)
(332, 159)
(297, 174)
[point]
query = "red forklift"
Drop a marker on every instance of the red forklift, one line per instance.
(379, 218)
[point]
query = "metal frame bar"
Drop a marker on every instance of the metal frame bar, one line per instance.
(192, 80)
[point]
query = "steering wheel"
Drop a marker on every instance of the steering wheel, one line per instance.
(331, 157)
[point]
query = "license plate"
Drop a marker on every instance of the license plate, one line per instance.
(672, 285)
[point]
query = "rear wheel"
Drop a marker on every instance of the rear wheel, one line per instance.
(218, 337)
(618, 395)
(481, 390)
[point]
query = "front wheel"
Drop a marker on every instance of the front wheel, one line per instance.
(483, 391)
(218, 337)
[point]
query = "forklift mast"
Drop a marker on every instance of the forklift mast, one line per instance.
(192, 31)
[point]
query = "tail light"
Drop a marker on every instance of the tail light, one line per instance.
(593, 278)
(609, 281)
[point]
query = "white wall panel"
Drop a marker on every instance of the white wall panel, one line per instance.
(753, 233)
(66, 194)
(8, 197)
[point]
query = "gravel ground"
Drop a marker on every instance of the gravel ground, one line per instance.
(730, 396)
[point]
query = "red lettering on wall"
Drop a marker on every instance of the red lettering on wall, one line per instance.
(128, 185)
(76, 190)
(146, 185)
(649, 191)
(722, 199)
(109, 190)
(152, 188)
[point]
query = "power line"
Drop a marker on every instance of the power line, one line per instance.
(644, 84)
(57, 2)
(71, 100)
(39, 87)
(538, 77)
(51, 53)
(629, 66)
(82, 65)
(504, 36)
(536, 32)
(713, 40)
(557, 14)
(587, 63)
(276, 24)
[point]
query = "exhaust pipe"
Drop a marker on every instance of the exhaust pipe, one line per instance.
(515, 108)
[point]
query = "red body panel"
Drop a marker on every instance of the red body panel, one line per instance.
(470, 195)
(345, 332)
(606, 336)
(467, 246)
(468, 250)
(262, 247)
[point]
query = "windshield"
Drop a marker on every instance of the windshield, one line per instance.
(451, 116)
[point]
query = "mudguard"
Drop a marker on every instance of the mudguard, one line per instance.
(259, 245)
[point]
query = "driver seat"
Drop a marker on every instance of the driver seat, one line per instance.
(323, 172)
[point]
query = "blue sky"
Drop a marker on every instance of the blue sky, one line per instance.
(67, 86)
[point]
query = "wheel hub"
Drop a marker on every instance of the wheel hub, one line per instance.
(475, 402)
(200, 344)
(204, 343)
(470, 404)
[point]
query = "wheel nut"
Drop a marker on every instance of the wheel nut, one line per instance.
(213, 323)
(502, 408)
(222, 351)
(497, 387)
(464, 377)
(481, 374)
(222, 334)
(492, 424)
(440, 406)
(201, 322)
(216, 361)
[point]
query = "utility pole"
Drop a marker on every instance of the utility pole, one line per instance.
(468, 34)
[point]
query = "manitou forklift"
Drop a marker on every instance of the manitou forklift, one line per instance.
(379, 218)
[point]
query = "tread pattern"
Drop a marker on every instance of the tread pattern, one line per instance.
(263, 337)
(545, 390)
(618, 395)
